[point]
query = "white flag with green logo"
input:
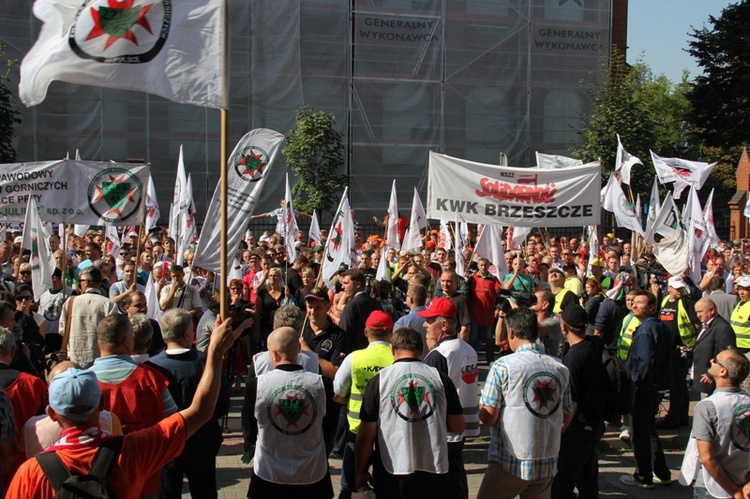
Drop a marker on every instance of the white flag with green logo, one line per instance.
(163, 47)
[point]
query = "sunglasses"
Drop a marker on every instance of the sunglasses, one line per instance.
(718, 363)
(25, 272)
(24, 298)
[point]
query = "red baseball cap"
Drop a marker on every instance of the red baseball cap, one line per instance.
(379, 321)
(440, 307)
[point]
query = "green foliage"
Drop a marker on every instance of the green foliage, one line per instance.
(649, 113)
(10, 116)
(315, 153)
(720, 96)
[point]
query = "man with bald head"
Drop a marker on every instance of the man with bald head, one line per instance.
(715, 335)
(283, 417)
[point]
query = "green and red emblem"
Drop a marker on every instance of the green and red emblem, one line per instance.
(120, 31)
(115, 194)
(412, 397)
(250, 163)
(292, 410)
(542, 394)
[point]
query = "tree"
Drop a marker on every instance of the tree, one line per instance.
(649, 113)
(315, 153)
(10, 116)
(720, 96)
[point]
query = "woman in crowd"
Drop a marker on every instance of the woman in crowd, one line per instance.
(269, 296)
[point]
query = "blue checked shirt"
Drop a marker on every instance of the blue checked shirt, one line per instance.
(493, 395)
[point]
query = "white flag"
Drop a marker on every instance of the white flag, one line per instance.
(340, 240)
(490, 246)
(152, 299)
(152, 205)
(179, 199)
(113, 241)
(625, 162)
(461, 242)
(172, 49)
(248, 170)
(392, 223)
(638, 208)
(712, 239)
(234, 271)
(518, 235)
(290, 223)
(413, 240)
(681, 171)
(654, 206)
(187, 223)
(314, 232)
(384, 272)
(697, 233)
(551, 161)
(80, 230)
(617, 203)
(35, 241)
(446, 241)
(667, 219)
(672, 252)
(593, 246)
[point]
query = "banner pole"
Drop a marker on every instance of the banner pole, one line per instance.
(224, 310)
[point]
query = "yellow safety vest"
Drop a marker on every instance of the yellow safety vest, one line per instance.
(629, 325)
(366, 364)
(559, 299)
(740, 321)
(684, 326)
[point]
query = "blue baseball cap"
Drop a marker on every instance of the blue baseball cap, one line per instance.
(75, 394)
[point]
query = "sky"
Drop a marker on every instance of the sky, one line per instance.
(658, 31)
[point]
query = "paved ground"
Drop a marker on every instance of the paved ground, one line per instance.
(615, 458)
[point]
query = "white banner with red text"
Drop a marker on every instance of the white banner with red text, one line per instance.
(511, 196)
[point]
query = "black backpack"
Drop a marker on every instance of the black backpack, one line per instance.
(93, 485)
(618, 386)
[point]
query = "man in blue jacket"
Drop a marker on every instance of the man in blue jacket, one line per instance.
(649, 361)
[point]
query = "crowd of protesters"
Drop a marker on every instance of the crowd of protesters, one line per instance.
(542, 324)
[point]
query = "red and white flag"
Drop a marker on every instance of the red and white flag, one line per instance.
(462, 239)
(113, 241)
(654, 206)
(179, 199)
(712, 239)
(187, 231)
(552, 161)
(682, 172)
(172, 49)
(152, 299)
(446, 240)
(37, 243)
(339, 243)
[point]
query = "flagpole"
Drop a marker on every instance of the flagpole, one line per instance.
(224, 308)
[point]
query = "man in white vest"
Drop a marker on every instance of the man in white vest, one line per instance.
(717, 458)
(407, 412)
(285, 409)
(526, 394)
(455, 358)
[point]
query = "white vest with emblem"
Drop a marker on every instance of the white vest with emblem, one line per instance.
(462, 370)
(412, 434)
(532, 416)
(289, 407)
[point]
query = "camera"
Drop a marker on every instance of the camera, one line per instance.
(522, 299)
(238, 315)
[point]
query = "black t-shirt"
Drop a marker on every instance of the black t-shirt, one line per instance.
(584, 361)
(370, 410)
(329, 344)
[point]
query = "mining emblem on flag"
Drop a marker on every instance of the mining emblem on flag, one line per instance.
(250, 163)
(115, 194)
(120, 32)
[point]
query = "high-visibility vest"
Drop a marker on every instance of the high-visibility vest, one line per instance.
(684, 326)
(366, 364)
(740, 321)
(629, 325)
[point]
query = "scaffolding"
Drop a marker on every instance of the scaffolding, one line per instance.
(470, 78)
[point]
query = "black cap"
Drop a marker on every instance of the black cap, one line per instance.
(575, 316)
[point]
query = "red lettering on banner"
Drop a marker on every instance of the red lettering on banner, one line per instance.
(531, 194)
